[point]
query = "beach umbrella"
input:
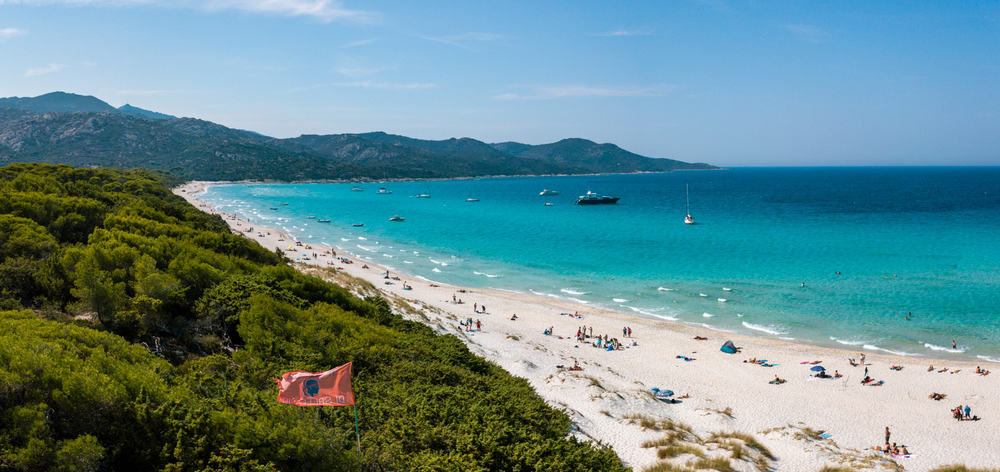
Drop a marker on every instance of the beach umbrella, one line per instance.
(817, 368)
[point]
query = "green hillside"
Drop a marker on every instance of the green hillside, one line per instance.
(138, 333)
(83, 131)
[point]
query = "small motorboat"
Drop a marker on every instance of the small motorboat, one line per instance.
(397, 218)
(282, 204)
(322, 221)
(358, 225)
(472, 199)
(383, 191)
(274, 208)
(548, 204)
(310, 217)
(547, 192)
(423, 195)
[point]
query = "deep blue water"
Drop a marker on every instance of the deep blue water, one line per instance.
(920, 240)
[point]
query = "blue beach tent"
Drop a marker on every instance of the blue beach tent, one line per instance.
(728, 347)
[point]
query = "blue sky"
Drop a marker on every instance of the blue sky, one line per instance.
(719, 81)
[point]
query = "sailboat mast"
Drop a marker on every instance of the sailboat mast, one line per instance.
(687, 194)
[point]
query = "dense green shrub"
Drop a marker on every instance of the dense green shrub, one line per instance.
(148, 337)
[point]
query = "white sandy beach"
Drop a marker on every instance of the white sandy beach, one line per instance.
(725, 394)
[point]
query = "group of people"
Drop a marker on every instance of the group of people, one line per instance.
(479, 308)
(893, 448)
(468, 324)
(960, 413)
(584, 333)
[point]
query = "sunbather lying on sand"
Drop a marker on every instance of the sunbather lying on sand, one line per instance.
(700, 338)
(777, 381)
(937, 396)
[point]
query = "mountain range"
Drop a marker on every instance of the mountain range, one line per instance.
(80, 130)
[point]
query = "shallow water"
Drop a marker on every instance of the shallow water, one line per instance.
(920, 240)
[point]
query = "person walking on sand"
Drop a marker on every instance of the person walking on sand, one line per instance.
(630, 331)
(887, 435)
(479, 325)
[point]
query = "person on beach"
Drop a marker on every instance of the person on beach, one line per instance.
(479, 325)
(968, 412)
(954, 345)
(453, 299)
(630, 331)
(484, 308)
(887, 434)
(475, 307)
(514, 318)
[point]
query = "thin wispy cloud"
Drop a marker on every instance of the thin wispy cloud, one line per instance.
(571, 91)
(356, 71)
(7, 33)
(367, 84)
(810, 33)
(52, 67)
(463, 41)
(626, 32)
(149, 93)
(321, 10)
(358, 43)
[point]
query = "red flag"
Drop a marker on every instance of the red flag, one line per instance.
(330, 388)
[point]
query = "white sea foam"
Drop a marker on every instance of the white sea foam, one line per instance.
(571, 291)
(764, 329)
(436, 270)
(344, 239)
(442, 264)
(702, 295)
(365, 248)
(847, 341)
(786, 338)
(721, 300)
(508, 290)
(988, 358)
(577, 300)
(707, 315)
(543, 294)
(945, 349)
(407, 262)
(390, 256)
(871, 347)
(664, 289)
(484, 274)
(619, 300)
(739, 315)
(427, 280)
(727, 289)
(647, 313)
(362, 238)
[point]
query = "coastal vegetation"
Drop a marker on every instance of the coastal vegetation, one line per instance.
(84, 131)
(138, 333)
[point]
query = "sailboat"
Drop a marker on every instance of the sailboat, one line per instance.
(688, 220)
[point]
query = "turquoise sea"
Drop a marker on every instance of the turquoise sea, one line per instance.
(922, 240)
